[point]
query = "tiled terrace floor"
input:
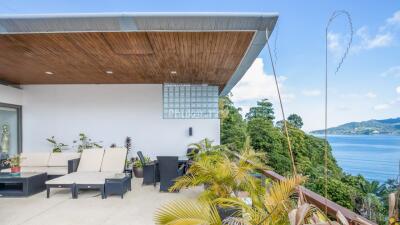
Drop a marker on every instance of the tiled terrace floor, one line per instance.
(137, 207)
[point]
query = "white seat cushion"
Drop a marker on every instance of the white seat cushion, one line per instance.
(66, 179)
(82, 178)
(61, 158)
(91, 160)
(34, 159)
(57, 170)
(114, 160)
(92, 177)
(34, 169)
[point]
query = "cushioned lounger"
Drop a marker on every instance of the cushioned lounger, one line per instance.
(113, 162)
(94, 167)
(91, 160)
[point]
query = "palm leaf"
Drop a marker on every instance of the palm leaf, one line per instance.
(188, 212)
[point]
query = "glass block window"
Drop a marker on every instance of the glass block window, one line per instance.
(186, 101)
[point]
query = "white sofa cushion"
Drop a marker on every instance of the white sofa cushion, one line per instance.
(34, 169)
(61, 158)
(91, 160)
(57, 170)
(114, 160)
(34, 159)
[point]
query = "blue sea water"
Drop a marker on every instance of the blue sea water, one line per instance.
(376, 157)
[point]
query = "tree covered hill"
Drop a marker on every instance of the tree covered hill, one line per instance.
(386, 126)
(353, 192)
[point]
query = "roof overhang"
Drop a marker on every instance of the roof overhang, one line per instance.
(261, 24)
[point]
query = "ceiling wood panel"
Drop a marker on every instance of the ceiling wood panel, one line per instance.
(134, 57)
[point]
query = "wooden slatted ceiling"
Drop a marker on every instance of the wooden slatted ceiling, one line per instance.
(136, 57)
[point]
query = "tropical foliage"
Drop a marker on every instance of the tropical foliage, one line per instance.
(267, 137)
(225, 174)
(256, 142)
(220, 174)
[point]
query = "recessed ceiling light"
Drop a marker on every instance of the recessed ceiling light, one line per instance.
(109, 72)
(173, 72)
(49, 73)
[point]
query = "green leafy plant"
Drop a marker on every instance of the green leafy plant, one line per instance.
(14, 161)
(222, 175)
(138, 164)
(272, 208)
(86, 143)
(204, 147)
(57, 147)
(188, 212)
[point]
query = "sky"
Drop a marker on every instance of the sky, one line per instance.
(366, 87)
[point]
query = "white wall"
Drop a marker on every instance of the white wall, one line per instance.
(10, 95)
(108, 113)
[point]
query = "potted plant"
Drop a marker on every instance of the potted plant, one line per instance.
(138, 166)
(57, 147)
(85, 142)
(14, 163)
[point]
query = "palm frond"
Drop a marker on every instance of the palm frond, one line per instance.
(278, 201)
(188, 212)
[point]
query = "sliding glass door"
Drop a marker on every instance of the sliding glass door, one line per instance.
(10, 129)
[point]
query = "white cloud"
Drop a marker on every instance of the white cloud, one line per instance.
(367, 41)
(313, 92)
(398, 90)
(334, 42)
(392, 72)
(381, 107)
(370, 95)
(395, 19)
(257, 85)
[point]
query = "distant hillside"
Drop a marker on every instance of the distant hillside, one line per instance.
(387, 126)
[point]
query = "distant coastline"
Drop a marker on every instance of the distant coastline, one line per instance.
(371, 127)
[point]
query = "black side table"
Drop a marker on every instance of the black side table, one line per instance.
(118, 185)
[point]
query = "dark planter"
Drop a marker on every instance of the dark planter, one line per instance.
(138, 172)
(225, 212)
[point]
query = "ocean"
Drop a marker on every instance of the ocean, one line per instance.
(376, 157)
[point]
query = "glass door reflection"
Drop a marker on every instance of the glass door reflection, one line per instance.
(10, 129)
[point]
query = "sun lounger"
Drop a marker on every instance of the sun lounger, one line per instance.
(113, 162)
(90, 161)
(95, 166)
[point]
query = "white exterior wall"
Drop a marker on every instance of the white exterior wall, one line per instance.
(10, 95)
(108, 113)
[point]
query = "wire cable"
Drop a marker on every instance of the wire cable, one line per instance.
(334, 15)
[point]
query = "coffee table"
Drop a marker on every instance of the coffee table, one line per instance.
(22, 185)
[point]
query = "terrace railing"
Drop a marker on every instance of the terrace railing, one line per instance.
(318, 200)
(321, 202)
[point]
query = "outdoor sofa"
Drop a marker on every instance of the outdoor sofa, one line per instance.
(95, 166)
(54, 164)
